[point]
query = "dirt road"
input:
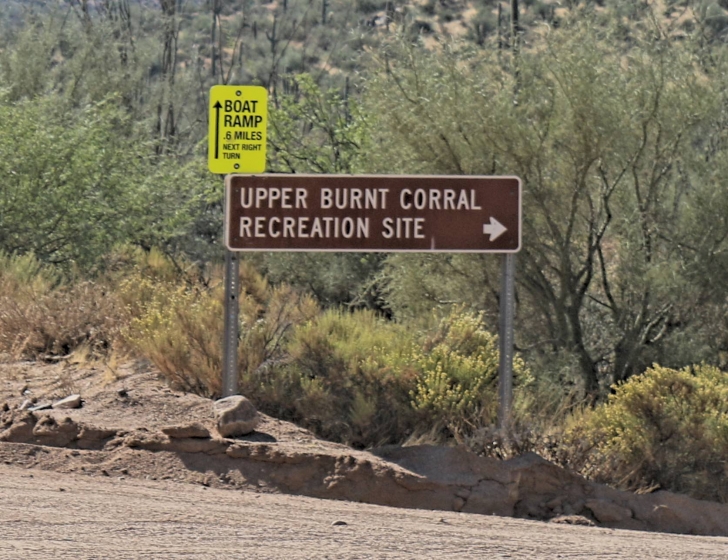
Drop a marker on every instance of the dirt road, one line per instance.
(51, 515)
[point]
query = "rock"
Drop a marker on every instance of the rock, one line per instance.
(448, 465)
(339, 524)
(235, 416)
(72, 401)
(537, 478)
(458, 503)
(573, 508)
(5, 407)
(238, 451)
(606, 511)
(140, 439)
(26, 404)
(572, 520)
(42, 406)
(675, 513)
(196, 445)
(492, 498)
(158, 442)
(194, 430)
(556, 503)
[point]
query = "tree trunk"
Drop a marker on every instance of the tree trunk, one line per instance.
(214, 54)
(166, 124)
(515, 47)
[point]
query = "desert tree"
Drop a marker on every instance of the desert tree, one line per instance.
(607, 138)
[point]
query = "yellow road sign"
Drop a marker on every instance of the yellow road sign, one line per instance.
(237, 130)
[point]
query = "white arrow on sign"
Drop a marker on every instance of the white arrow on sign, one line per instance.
(495, 229)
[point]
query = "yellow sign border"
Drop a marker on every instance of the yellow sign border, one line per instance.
(237, 129)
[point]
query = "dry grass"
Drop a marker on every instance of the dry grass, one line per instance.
(57, 323)
(178, 325)
(43, 318)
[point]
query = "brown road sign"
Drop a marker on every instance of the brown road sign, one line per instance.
(373, 213)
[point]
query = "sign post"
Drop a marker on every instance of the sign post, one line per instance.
(505, 340)
(238, 117)
(393, 213)
(230, 336)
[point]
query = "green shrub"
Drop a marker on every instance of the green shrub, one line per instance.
(351, 377)
(351, 374)
(359, 379)
(269, 317)
(177, 322)
(663, 429)
(25, 272)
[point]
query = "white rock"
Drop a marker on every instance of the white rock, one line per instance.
(235, 416)
(73, 401)
(42, 406)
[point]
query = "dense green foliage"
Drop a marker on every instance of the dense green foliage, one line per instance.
(78, 181)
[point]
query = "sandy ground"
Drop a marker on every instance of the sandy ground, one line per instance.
(52, 515)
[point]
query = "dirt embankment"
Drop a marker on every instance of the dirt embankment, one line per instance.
(47, 514)
(131, 426)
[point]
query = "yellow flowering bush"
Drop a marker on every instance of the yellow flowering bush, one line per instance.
(458, 375)
(665, 428)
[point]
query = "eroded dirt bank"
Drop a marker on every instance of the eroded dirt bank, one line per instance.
(131, 426)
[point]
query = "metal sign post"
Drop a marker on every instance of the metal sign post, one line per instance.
(237, 137)
(230, 337)
(505, 369)
(391, 213)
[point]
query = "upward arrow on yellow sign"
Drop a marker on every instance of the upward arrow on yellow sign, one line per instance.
(238, 120)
